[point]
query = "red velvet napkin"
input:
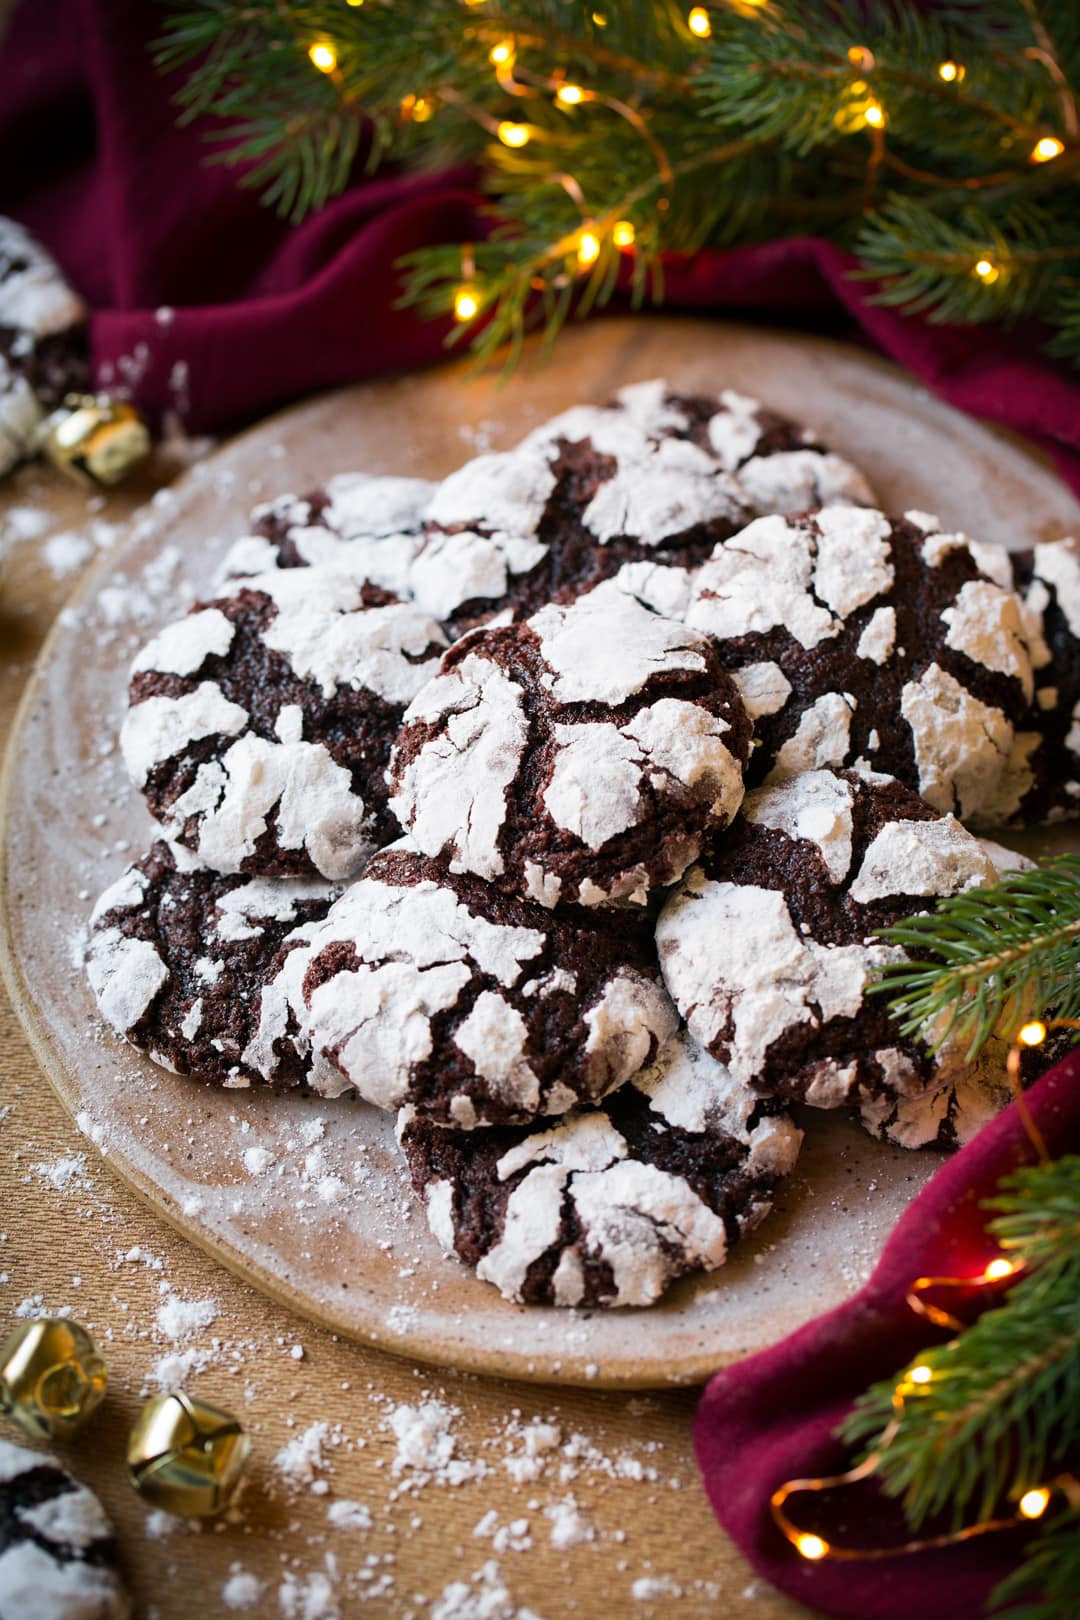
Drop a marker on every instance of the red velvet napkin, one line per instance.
(771, 1418)
(206, 304)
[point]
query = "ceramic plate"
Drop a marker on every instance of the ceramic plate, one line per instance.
(320, 1215)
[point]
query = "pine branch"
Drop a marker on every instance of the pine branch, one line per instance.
(791, 117)
(1046, 1586)
(1039, 1215)
(982, 960)
(1002, 1407)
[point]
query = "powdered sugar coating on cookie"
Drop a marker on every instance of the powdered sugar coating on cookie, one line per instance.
(260, 725)
(854, 635)
(580, 756)
(362, 524)
(1042, 779)
(58, 1555)
(635, 490)
(610, 1205)
(192, 967)
(768, 948)
(474, 1006)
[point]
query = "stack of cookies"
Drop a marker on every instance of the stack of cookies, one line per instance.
(558, 808)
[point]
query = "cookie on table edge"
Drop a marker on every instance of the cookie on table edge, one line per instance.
(611, 1205)
(58, 1554)
(43, 346)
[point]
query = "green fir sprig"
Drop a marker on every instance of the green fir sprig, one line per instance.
(910, 137)
(999, 1414)
(984, 960)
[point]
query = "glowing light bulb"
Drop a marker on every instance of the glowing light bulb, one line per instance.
(698, 22)
(987, 271)
(354, 3)
(875, 115)
(514, 134)
(588, 248)
(623, 233)
(502, 52)
(1033, 1504)
(569, 95)
(951, 72)
(466, 304)
(323, 56)
(997, 1269)
(1049, 147)
(860, 56)
(1032, 1034)
(921, 1374)
(811, 1547)
(599, 19)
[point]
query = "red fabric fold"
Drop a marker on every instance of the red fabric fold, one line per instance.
(772, 1417)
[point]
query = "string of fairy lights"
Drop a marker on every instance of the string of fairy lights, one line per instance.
(915, 1380)
(860, 108)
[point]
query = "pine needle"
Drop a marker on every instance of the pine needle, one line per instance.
(989, 958)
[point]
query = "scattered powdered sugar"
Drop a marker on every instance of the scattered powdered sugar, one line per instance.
(176, 1367)
(348, 1515)
(568, 1527)
(427, 1447)
(179, 1318)
(66, 552)
(484, 1597)
(650, 1588)
(21, 523)
(304, 1458)
(159, 1524)
(511, 1537)
(242, 1590)
(257, 1159)
(68, 1171)
(311, 1597)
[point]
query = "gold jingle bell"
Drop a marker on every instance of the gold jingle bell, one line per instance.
(52, 1377)
(185, 1456)
(95, 440)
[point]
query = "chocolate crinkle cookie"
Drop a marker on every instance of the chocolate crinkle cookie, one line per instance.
(58, 1554)
(641, 489)
(476, 1007)
(366, 525)
(855, 636)
(1042, 779)
(194, 967)
(43, 352)
(768, 949)
(259, 727)
(609, 1206)
(582, 755)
